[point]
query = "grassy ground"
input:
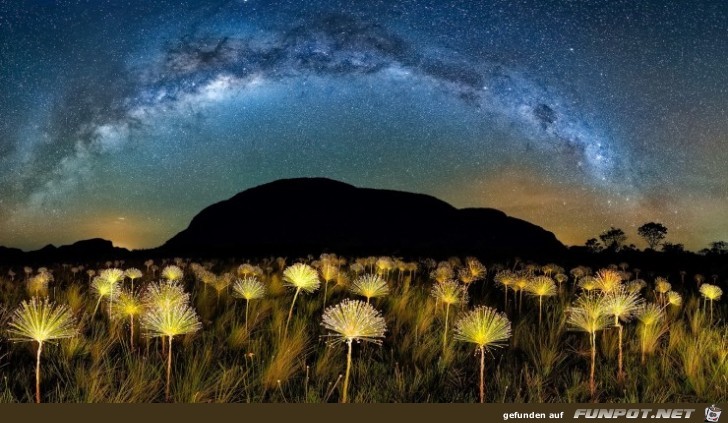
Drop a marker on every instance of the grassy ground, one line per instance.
(686, 360)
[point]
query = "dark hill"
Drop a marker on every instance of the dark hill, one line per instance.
(86, 250)
(95, 248)
(310, 215)
(10, 255)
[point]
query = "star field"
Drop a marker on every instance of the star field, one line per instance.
(123, 120)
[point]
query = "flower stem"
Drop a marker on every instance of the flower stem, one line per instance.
(348, 369)
(620, 372)
(290, 312)
(37, 372)
(97, 306)
(482, 374)
(444, 333)
(169, 370)
(247, 302)
(592, 383)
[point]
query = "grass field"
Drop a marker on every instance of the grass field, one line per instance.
(280, 331)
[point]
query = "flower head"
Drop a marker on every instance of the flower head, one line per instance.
(249, 288)
(588, 283)
(41, 320)
(172, 273)
(483, 326)
(133, 273)
(636, 285)
(622, 304)
(103, 286)
(589, 313)
(164, 295)
(541, 286)
(505, 278)
(674, 299)
(370, 286)
(126, 304)
(384, 264)
(473, 270)
(247, 269)
(662, 285)
(711, 292)
(38, 284)
(443, 272)
(179, 319)
(608, 280)
(301, 276)
(521, 282)
(649, 314)
(449, 292)
(112, 275)
(221, 283)
(354, 320)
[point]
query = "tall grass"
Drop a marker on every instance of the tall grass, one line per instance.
(225, 361)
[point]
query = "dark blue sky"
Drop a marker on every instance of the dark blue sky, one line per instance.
(124, 119)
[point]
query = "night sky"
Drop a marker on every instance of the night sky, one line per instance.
(123, 119)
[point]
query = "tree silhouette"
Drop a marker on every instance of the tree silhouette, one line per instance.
(669, 247)
(613, 238)
(718, 247)
(653, 233)
(594, 245)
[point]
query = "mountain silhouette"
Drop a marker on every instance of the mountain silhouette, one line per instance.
(85, 250)
(311, 215)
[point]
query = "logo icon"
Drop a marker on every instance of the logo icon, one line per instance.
(712, 413)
